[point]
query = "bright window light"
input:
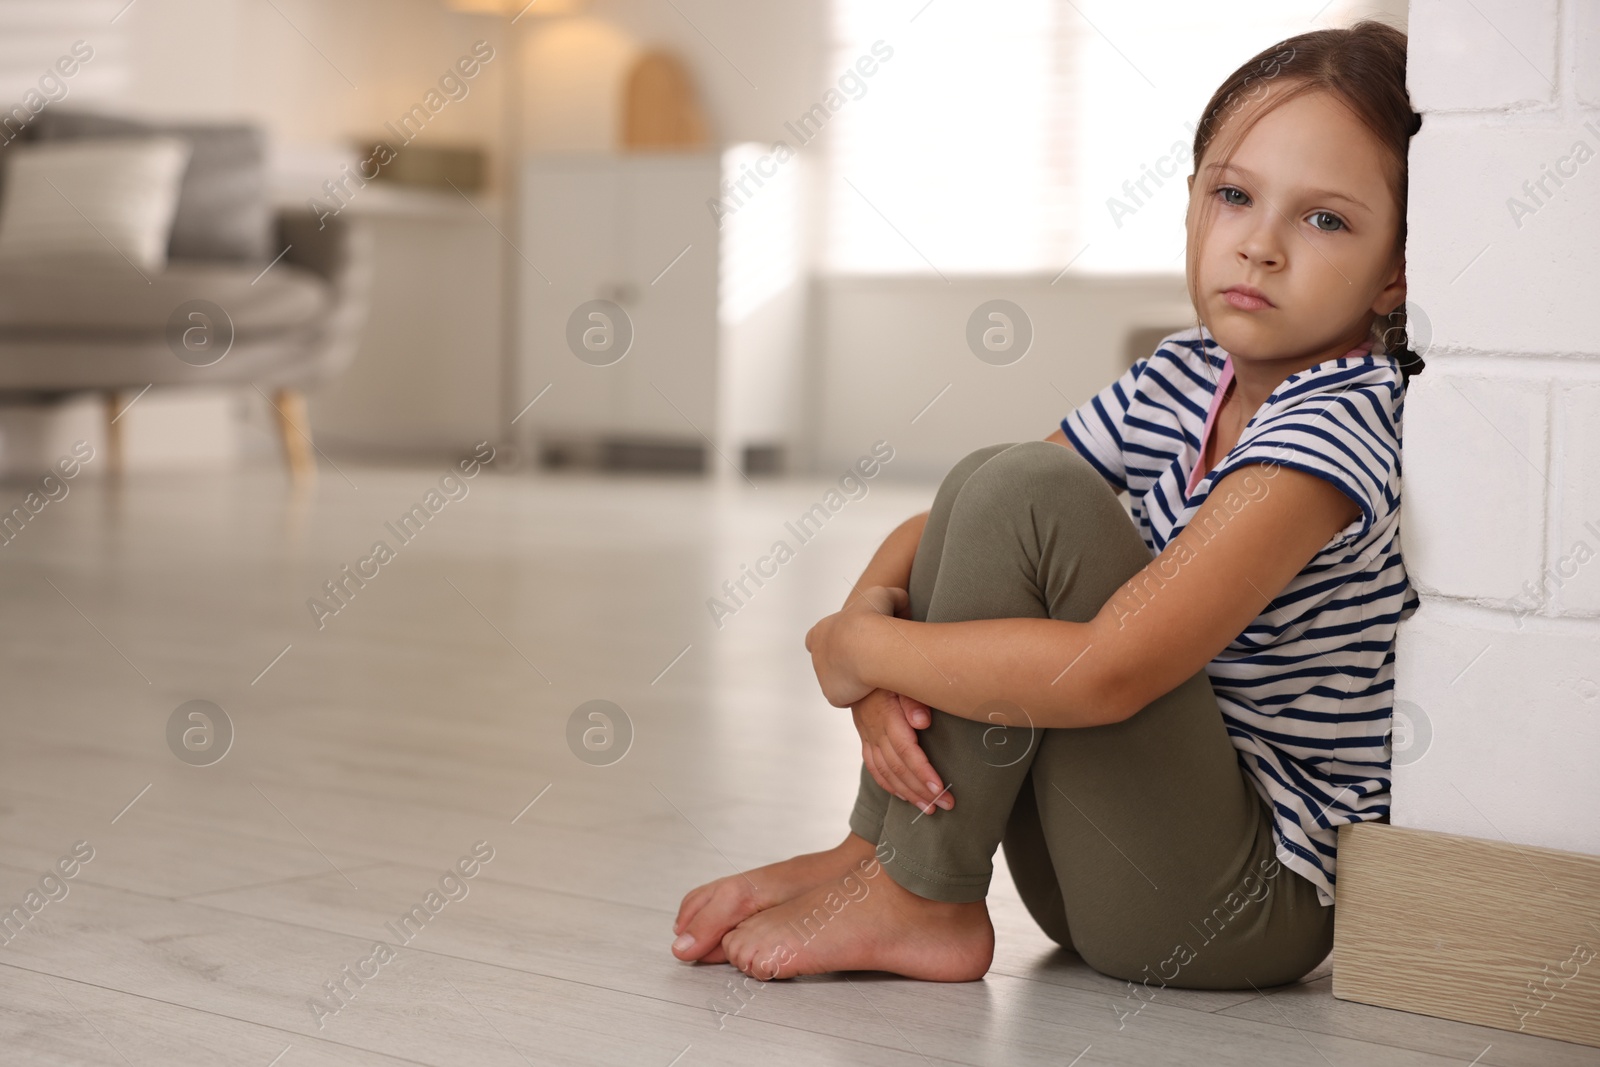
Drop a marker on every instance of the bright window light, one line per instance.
(1025, 136)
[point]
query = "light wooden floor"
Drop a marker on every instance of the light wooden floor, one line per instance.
(426, 717)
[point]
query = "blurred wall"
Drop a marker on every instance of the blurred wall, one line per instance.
(311, 70)
(892, 361)
(324, 70)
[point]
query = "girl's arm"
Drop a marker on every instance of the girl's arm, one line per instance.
(886, 720)
(1164, 624)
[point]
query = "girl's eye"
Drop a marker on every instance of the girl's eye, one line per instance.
(1336, 223)
(1225, 190)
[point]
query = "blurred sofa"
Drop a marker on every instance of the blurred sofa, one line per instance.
(288, 323)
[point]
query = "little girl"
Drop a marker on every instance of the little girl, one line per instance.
(1164, 746)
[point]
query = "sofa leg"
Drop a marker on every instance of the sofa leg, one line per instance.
(113, 408)
(294, 427)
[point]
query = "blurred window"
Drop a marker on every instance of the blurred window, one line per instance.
(1028, 135)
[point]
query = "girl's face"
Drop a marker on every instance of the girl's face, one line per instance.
(1303, 214)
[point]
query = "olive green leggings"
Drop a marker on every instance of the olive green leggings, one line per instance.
(1140, 845)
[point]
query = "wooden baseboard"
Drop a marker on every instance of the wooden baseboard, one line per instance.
(1470, 929)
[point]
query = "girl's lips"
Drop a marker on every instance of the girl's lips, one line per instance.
(1244, 301)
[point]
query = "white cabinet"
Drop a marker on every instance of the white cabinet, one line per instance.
(633, 231)
(638, 231)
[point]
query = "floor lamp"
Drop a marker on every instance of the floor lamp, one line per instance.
(516, 12)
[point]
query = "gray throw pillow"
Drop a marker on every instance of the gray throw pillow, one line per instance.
(223, 212)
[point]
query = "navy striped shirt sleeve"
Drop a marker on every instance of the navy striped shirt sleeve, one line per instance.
(1096, 428)
(1345, 437)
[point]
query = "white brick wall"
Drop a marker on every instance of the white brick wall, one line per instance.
(1499, 262)
(1587, 75)
(1575, 563)
(1475, 480)
(1488, 55)
(1500, 669)
(1513, 721)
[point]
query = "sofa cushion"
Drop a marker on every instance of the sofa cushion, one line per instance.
(223, 209)
(107, 202)
(41, 300)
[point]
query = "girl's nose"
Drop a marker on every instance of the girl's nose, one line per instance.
(1262, 244)
(1262, 252)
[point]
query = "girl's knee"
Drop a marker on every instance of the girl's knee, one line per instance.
(1045, 457)
(1031, 471)
(970, 462)
(956, 478)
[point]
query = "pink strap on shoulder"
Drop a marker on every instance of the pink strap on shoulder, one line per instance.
(1211, 418)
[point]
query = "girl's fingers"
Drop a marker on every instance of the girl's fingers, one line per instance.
(871, 760)
(915, 765)
(882, 772)
(918, 714)
(896, 785)
(910, 787)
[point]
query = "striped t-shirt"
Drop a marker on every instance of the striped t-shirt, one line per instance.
(1307, 690)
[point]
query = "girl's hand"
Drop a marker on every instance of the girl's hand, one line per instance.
(831, 643)
(888, 724)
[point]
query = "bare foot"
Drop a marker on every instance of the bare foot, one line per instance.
(710, 911)
(865, 923)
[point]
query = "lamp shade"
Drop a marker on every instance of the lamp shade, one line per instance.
(518, 8)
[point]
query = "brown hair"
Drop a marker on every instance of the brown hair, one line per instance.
(1363, 66)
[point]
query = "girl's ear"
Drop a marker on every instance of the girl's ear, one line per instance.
(1393, 295)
